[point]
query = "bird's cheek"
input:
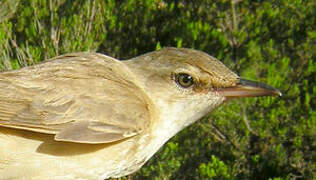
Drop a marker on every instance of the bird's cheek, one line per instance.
(214, 98)
(201, 89)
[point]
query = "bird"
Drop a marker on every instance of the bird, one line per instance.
(90, 116)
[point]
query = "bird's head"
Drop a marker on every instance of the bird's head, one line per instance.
(190, 83)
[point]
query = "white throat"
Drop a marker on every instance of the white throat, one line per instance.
(176, 116)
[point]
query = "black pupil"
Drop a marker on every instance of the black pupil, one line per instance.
(186, 79)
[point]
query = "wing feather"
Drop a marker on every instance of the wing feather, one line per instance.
(82, 97)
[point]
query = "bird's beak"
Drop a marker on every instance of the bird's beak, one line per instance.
(247, 88)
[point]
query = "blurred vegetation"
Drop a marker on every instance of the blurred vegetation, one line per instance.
(269, 41)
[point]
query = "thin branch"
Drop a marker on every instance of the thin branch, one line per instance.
(226, 137)
(246, 122)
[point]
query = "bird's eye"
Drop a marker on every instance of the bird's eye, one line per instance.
(184, 80)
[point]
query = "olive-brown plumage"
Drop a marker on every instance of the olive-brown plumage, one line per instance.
(90, 116)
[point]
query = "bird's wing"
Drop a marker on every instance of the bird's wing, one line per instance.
(82, 97)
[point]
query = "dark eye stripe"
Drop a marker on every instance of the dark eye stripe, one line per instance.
(184, 80)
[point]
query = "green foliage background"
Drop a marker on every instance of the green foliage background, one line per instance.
(268, 41)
